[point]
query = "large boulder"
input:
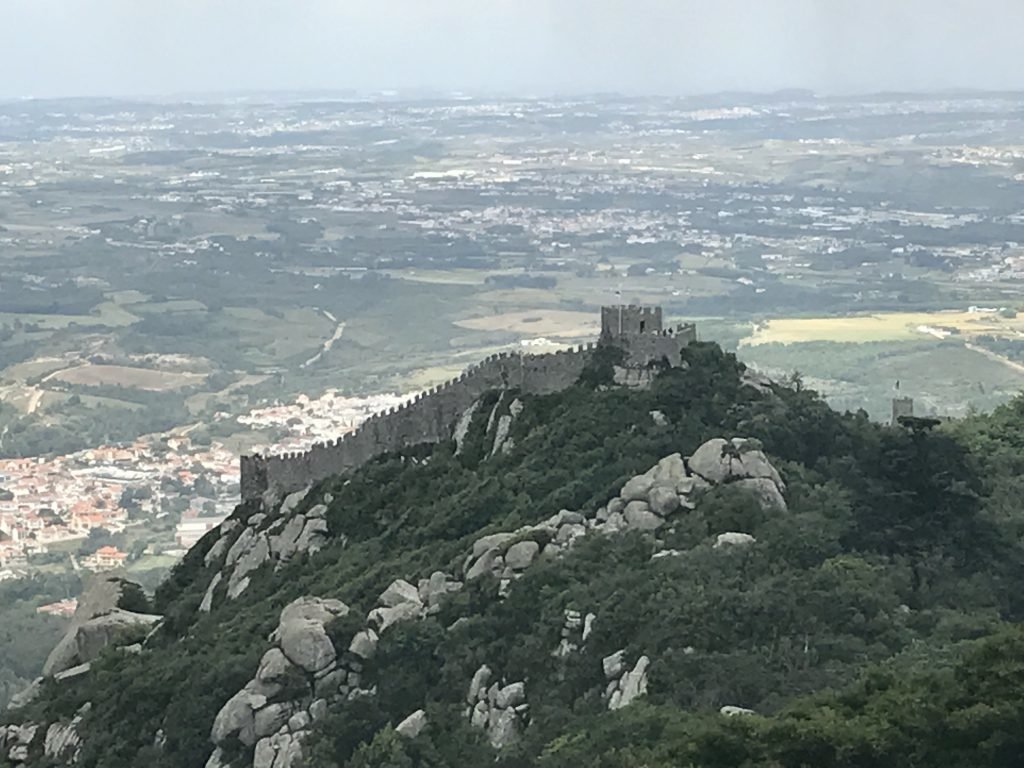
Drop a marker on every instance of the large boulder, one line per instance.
(488, 562)
(283, 544)
(364, 644)
(521, 554)
(723, 461)
(26, 696)
(282, 750)
(632, 685)
(512, 695)
(240, 545)
(479, 683)
(268, 720)
(637, 488)
(217, 551)
(63, 742)
(291, 501)
(207, 603)
(434, 589)
(85, 641)
(764, 491)
(490, 542)
(237, 718)
(301, 633)
(413, 725)
(252, 558)
(663, 501)
(314, 535)
(398, 592)
(273, 672)
(734, 539)
(306, 644)
(639, 517)
(613, 665)
(318, 609)
(504, 728)
(732, 711)
(86, 636)
(669, 472)
(15, 741)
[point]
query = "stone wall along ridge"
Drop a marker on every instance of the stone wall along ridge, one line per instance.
(428, 417)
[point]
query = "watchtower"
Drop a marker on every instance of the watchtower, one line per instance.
(901, 406)
(630, 320)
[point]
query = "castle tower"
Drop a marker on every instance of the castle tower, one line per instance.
(630, 320)
(641, 333)
(901, 406)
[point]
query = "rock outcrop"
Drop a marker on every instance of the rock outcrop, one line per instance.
(305, 670)
(242, 549)
(575, 630)
(63, 742)
(499, 710)
(15, 741)
(413, 725)
(624, 686)
(292, 685)
(730, 711)
(740, 461)
(646, 503)
(97, 624)
(734, 539)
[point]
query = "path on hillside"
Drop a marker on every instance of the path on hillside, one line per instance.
(1018, 367)
(33, 402)
(38, 391)
(326, 347)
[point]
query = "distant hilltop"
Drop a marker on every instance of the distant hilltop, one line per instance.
(433, 416)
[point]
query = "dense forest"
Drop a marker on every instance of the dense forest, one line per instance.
(873, 621)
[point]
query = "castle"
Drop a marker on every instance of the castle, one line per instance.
(431, 416)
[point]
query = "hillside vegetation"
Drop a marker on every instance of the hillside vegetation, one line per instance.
(870, 621)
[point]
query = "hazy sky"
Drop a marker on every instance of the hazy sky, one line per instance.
(139, 47)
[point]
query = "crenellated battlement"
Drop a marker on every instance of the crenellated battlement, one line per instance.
(430, 416)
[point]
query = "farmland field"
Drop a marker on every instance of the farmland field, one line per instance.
(208, 267)
(886, 326)
(540, 322)
(119, 375)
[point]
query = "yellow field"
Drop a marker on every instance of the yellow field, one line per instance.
(885, 326)
(539, 322)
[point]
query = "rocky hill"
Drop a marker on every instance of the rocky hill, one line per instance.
(713, 571)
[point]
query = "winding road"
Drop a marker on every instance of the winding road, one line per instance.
(338, 331)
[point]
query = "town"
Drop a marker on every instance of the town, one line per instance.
(50, 506)
(185, 283)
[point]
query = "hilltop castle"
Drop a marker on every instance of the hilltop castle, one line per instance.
(431, 416)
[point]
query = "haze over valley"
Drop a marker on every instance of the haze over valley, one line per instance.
(173, 270)
(539, 384)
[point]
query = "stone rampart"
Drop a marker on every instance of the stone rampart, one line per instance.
(647, 348)
(428, 417)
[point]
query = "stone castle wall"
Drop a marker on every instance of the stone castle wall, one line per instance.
(644, 349)
(429, 417)
(630, 319)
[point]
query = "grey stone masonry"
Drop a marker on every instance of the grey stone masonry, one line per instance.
(431, 416)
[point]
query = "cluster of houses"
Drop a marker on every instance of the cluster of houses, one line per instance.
(46, 502)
